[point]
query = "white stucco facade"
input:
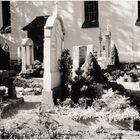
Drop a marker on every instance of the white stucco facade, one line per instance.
(120, 15)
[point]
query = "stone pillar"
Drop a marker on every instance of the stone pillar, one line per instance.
(28, 54)
(27, 51)
(52, 32)
(23, 58)
(19, 54)
(47, 99)
(75, 59)
(107, 43)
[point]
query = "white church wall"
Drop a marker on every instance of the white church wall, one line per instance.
(120, 15)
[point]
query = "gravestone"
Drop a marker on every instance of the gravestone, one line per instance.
(79, 55)
(104, 59)
(27, 54)
(53, 46)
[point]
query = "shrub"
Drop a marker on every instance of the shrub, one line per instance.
(76, 85)
(129, 66)
(94, 90)
(67, 103)
(88, 79)
(115, 86)
(113, 73)
(37, 70)
(110, 107)
(92, 71)
(65, 68)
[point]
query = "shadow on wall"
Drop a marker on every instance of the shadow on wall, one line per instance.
(72, 13)
(23, 12)
(121, 16)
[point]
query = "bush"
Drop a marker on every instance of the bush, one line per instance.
(37, 70)
(110, 107)
(113, 73)
(92, 71)
(115, 86)
(89, 80)
(76, 85)
(65, 68)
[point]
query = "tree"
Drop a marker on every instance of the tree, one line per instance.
(92, 70)
(65, 68)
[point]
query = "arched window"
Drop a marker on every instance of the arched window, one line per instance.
(6, 16)
(91, 14)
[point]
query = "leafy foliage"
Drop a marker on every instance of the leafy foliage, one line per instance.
(92, 71)
(65, 68)
(76, 85)
(37, 70)
(111, 107)
(89, 80)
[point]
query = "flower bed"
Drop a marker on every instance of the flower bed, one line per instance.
(111, 107)
(27, 86)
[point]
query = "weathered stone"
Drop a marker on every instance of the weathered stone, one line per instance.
(79, 56)
(53, 41)
(27, 54)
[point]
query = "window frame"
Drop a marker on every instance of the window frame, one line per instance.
(6, 17)
(91, 14)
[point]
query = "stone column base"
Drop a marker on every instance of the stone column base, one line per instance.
(47, 100)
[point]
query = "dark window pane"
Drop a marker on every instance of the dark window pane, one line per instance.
(96, 7)
(96, 16)
(138, 9)
(91, 10)
(6, 16)
(86, 17)
(91, 16)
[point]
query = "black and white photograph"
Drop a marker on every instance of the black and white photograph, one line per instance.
(69, 69)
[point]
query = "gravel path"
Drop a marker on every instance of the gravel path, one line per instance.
(26, 111)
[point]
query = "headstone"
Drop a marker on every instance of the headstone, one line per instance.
(27, 54)
(105, 59)
(90, 48)
(54, 37)
(79, 56)
(107, 42)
